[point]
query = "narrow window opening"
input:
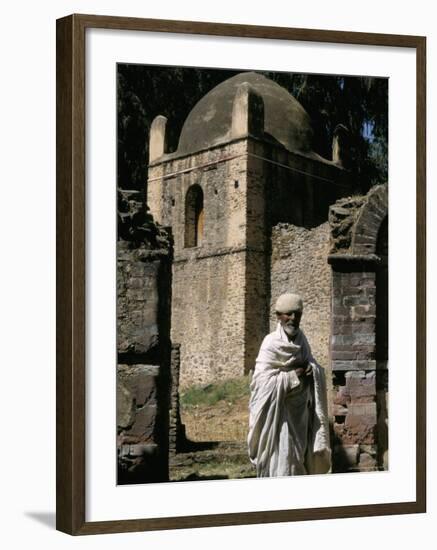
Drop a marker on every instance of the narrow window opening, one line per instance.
(194, 217)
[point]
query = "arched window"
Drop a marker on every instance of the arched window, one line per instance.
(194, 216)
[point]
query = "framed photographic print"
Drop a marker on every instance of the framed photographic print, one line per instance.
(241, 274)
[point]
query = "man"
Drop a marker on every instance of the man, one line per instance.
(288, 421)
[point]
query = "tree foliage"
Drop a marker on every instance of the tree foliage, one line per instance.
(359, 103)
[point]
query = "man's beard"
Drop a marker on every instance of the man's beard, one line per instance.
(290, 330)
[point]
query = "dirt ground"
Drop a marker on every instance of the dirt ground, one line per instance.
(216, 443)
(220, 422)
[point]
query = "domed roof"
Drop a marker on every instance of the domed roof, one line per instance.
(210, 121)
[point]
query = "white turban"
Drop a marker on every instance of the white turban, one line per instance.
(288, 302)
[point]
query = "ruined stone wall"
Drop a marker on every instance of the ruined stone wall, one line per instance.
(208, 317)
(354, 368)
(138, 273)
(359, 338)
(143, 344)
(299, 263)
(177, 436)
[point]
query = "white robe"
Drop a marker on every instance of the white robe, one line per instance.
(288, 420)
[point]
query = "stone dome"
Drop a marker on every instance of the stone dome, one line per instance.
(210, 121)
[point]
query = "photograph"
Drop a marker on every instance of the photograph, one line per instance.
(217, 233)
(252, 274)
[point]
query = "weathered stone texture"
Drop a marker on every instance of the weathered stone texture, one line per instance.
(139, 383)
(216, 286)
(359, 241)
(143, 344)
(355, 222)
(143, 280)
(177, 438)
(125, 406)
(216, 118)
(299, 264)
(355, 421)
(354, 314)
(221, 173)
(342, 217)
(142, 439)
(137, 305)
(208, 317)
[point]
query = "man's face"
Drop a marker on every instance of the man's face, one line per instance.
(290, 321)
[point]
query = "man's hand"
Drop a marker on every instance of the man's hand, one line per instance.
(300, 371)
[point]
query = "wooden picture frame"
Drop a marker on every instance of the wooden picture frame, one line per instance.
(71, 284)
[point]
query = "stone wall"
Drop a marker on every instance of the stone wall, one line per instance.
(138, 273)
(208, 280)
(221, 172)
(359, 331)
(219, 288)
(177, 437)
(299, 263)
(208, 316)
(354, 368)
(143, 343)
(141, 425)
(298, 189)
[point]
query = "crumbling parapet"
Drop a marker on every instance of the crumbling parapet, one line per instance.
(358, 343)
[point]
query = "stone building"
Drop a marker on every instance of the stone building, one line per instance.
(247, 201)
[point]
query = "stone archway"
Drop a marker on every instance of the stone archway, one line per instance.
(358, 343)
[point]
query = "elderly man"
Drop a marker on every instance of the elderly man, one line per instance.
(288, 422)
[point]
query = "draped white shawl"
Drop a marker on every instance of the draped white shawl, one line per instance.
(288, 420)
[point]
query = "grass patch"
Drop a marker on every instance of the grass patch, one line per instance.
(230, 391)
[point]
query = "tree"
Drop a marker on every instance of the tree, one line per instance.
(359, 103)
